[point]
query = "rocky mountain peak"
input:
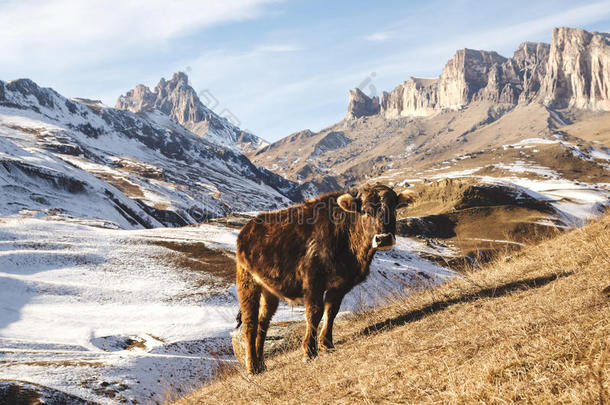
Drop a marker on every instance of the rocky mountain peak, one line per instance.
(180, 77)
(531, 51)
(137, 100)
(178, 100)
(172, 97)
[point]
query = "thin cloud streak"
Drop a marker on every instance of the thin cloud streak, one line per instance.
(378, 36)
(278, 48)
(69, 32)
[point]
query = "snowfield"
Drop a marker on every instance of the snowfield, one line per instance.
(109, 316)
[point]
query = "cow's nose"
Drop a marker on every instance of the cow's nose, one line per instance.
(383, 241)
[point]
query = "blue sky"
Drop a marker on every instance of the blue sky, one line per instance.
(273, 66)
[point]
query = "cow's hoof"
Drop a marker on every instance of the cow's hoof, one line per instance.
(326, 349)
(309, 356)
(255, 371)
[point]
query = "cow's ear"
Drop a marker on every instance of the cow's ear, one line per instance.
(348, 202)
(405, 198)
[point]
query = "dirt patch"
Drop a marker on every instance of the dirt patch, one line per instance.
(128, 188)
(18, 395)
(161, 206)
(590, 125)
(24, 393)
(56, 363)
(196, 256)
(33, 131)
(140, 169)
(234, 220)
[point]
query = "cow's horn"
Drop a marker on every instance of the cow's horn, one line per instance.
(347, 202)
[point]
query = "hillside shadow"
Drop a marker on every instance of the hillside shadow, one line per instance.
(15, 295)
(495, 292)
(20, 257)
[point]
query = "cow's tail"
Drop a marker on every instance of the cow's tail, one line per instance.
(238, 319)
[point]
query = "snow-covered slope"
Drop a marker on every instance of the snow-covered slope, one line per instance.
(126, 315)
(81, 158)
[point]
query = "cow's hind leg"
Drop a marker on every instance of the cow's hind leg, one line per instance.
(249, 293)
(332, 303)
(314, 308)
(268, 306)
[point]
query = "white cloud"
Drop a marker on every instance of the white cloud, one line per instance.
(64, 31)
(378, 36)
(278, 48)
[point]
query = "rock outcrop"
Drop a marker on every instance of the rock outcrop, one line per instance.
(574, 72)
(531, 60)
(578, 72)
(414, 97)
(178, 100)
(467, 76)
(361, 105)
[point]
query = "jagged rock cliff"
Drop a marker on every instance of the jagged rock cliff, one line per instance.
(361, 105)
(578, 70)
(468, 75)
(531, 59)
(177, 99)
(574, 71)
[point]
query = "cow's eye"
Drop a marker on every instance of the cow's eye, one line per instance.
(369, 209)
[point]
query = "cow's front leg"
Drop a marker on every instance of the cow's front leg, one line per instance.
(314, 308)
(332, 303)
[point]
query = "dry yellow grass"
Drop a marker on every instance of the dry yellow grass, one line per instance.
(531, 328)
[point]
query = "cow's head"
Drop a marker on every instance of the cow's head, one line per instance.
(375, 207)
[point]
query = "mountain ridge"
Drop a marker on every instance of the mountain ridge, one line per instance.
(59, 156)
(480, 101)
(572, 71)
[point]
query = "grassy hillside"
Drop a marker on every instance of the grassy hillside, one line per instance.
(530, 328)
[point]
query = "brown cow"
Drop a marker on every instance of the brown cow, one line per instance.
(313, 253)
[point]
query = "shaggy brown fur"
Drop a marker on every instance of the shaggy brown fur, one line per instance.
(313, 252)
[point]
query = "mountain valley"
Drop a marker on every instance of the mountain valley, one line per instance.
(118, 224)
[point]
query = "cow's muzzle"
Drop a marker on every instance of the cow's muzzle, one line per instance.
(383, 241)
